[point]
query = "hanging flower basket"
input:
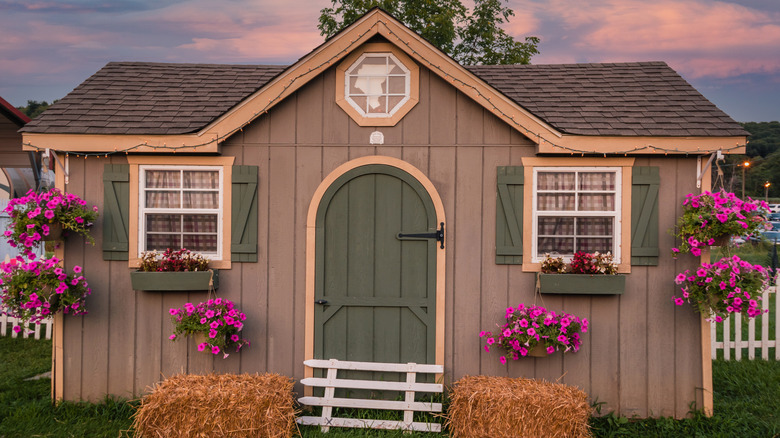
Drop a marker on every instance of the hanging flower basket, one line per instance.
(215, 324)
(41, 216)
(534, 330)
(35, 290)
(710, 219)
(730, 285)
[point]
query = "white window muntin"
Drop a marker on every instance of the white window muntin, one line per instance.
(614, 213)
(379, 86)
(181, 210)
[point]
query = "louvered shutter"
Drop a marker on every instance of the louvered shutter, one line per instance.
(509, 215)
(644, 216)
(244, 214)
(116, 211)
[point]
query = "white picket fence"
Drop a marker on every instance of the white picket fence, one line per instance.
(410, 387)
(752, 341)
(35, 330)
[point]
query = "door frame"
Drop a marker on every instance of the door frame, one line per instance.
(311, 240)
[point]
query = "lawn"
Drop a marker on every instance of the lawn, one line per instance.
(746, 405)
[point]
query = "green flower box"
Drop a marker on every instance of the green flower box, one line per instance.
(582, 284)
(190, 280)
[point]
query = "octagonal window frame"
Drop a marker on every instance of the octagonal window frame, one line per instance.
(345, 71)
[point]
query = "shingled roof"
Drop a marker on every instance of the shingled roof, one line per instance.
(152, 98)
(624, 99)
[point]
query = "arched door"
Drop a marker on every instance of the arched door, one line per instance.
(375, 289)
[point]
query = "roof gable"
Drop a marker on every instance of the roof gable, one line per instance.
(147, 107)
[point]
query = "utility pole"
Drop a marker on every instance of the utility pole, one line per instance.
(745, 165)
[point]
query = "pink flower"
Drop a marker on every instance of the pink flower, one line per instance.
(679, 301)
(172, 337)
(215, 350)
(234, 337)
(551, 349)
(202, 346)
(502, 359)
(173, 312)
(77, 269)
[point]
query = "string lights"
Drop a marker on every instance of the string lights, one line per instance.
(474, 91)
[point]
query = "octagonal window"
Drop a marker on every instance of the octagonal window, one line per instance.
(377, 85)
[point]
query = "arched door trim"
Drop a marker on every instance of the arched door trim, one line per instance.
(311, 237)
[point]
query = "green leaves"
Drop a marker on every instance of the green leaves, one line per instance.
(470, 38)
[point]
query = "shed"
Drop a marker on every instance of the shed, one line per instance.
(306, 174)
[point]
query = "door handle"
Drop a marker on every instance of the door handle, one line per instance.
(321, 302)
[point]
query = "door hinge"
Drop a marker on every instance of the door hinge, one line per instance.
(438, 235)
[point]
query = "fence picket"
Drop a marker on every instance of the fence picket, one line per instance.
(8, 322)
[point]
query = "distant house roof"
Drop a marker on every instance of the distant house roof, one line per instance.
(616, 99)
(12, 113)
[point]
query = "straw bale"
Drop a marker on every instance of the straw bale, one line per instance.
(495, 407)
(218, 405)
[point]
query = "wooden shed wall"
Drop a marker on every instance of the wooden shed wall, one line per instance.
(11, 154)
(640, 357)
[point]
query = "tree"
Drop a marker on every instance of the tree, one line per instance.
(470, 38)
(484, 42)
(34, 108)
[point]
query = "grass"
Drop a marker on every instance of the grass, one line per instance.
(746, 405)
(26, 409)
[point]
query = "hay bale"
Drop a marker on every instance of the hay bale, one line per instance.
(482, 406)
(218, 405)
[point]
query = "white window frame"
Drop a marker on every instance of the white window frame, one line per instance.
(407, 84)
(616, 214)
(143, 210)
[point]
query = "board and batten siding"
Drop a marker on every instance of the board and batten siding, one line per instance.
(641, 355)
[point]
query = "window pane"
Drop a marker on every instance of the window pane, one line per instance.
(162, 199)
(161, 242)
(597, 202)
(555, 181)
(593, 244)
(200, 243)
(556, 226)
(393, 102)
(594, 226)
(361, 102)
(552, 245)
(162, 223)
(163, 179)
(559, 202)
(201, 180)
(597, 181)
(377, 104)
(393, 68)
(200, 223)
(201, 200)
(396, 85)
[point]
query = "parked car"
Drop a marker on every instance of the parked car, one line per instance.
(774, 208)
(773, 217)
(772, 235)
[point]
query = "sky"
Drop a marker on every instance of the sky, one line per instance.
(729, 50)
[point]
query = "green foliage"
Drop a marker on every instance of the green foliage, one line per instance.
(34, 108)
(471, 38)
(484, 42)
(764, 138)
(26, 409)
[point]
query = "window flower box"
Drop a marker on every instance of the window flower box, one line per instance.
(186, 280)
(582, 284)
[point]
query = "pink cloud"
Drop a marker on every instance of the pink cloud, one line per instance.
(700, 37)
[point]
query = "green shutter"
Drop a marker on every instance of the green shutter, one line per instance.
(244, 214)
(644, 216)
(509, 215)
(116, 214)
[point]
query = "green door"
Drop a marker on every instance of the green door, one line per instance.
(375, 291)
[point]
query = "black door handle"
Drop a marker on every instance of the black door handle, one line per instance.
(321, 302)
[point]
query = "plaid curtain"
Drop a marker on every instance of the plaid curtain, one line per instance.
(183, 190)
